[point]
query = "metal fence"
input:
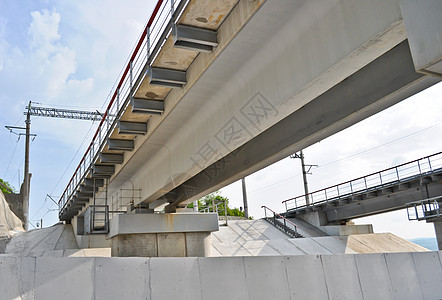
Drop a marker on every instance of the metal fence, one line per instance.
(147, 48)
(370, 183)
(424, 209)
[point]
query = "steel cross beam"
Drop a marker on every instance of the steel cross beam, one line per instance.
(64, 113)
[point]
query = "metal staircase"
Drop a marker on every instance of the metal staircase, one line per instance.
(283, 224)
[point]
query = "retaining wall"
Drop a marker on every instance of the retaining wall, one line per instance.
(359, 276)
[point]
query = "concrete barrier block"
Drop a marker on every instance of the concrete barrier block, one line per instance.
(341, 276)
(62, 278)
(429, 273)
(403, 277)
(303, 279)
(121, 278)
(373, 276)
(266, 277)
(175, 278)
(222, 278)
(17, 277)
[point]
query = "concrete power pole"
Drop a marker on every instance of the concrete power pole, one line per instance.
(244, 197)
(26, 174)
(304, 173)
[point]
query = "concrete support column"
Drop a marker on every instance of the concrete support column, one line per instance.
(162, 235)
(438, 230)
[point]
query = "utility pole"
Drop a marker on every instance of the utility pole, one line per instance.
(304, 173)
(244, 198)
(26, 174)
(44, 112)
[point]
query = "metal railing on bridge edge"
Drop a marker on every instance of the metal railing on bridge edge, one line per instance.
(382, 179)
(290, 230)
(427, 209)
(147, 48)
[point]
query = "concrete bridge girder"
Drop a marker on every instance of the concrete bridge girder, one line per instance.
(287, 55)
(269, 69)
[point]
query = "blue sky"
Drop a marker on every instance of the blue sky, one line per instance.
(65, 54)
(69, 54)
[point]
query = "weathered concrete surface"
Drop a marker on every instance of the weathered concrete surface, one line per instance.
(423, 22)
(15, 202)
(262, 239)
(378, 286)
(438, 231)
(174, 244)
(9, 222)
(359, 276)
(56, 237)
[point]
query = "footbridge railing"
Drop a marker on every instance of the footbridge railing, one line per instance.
(147, 48)
(403, 173)
(426, 209)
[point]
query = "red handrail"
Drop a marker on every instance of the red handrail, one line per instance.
(120, 83)
(401, 165)
(265, 207)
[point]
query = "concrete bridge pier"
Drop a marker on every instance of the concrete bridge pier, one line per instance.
(319, 220)
(438, 231)
(162, 235)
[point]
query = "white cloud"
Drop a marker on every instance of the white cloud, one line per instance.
(44, 29)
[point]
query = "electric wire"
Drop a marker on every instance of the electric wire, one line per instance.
(348, 157)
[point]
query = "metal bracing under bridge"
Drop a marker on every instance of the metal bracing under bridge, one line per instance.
(383, 191)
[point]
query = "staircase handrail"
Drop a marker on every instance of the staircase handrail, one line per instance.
(285, 219)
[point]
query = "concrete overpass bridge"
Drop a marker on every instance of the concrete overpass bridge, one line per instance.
(387, 190)
(214, 91)
(416, 185)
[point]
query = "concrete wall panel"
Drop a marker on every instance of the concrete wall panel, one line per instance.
(17, 277)
(342, 277)
(374, 278)
(429, 273)
(175, 278)
(403, 277)
(121, 278)
(366, 276)
(223, 278)
(266, 276)
(305, 277)
(64, 278)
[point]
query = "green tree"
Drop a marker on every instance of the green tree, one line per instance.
(6, 187)
(216, 197)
